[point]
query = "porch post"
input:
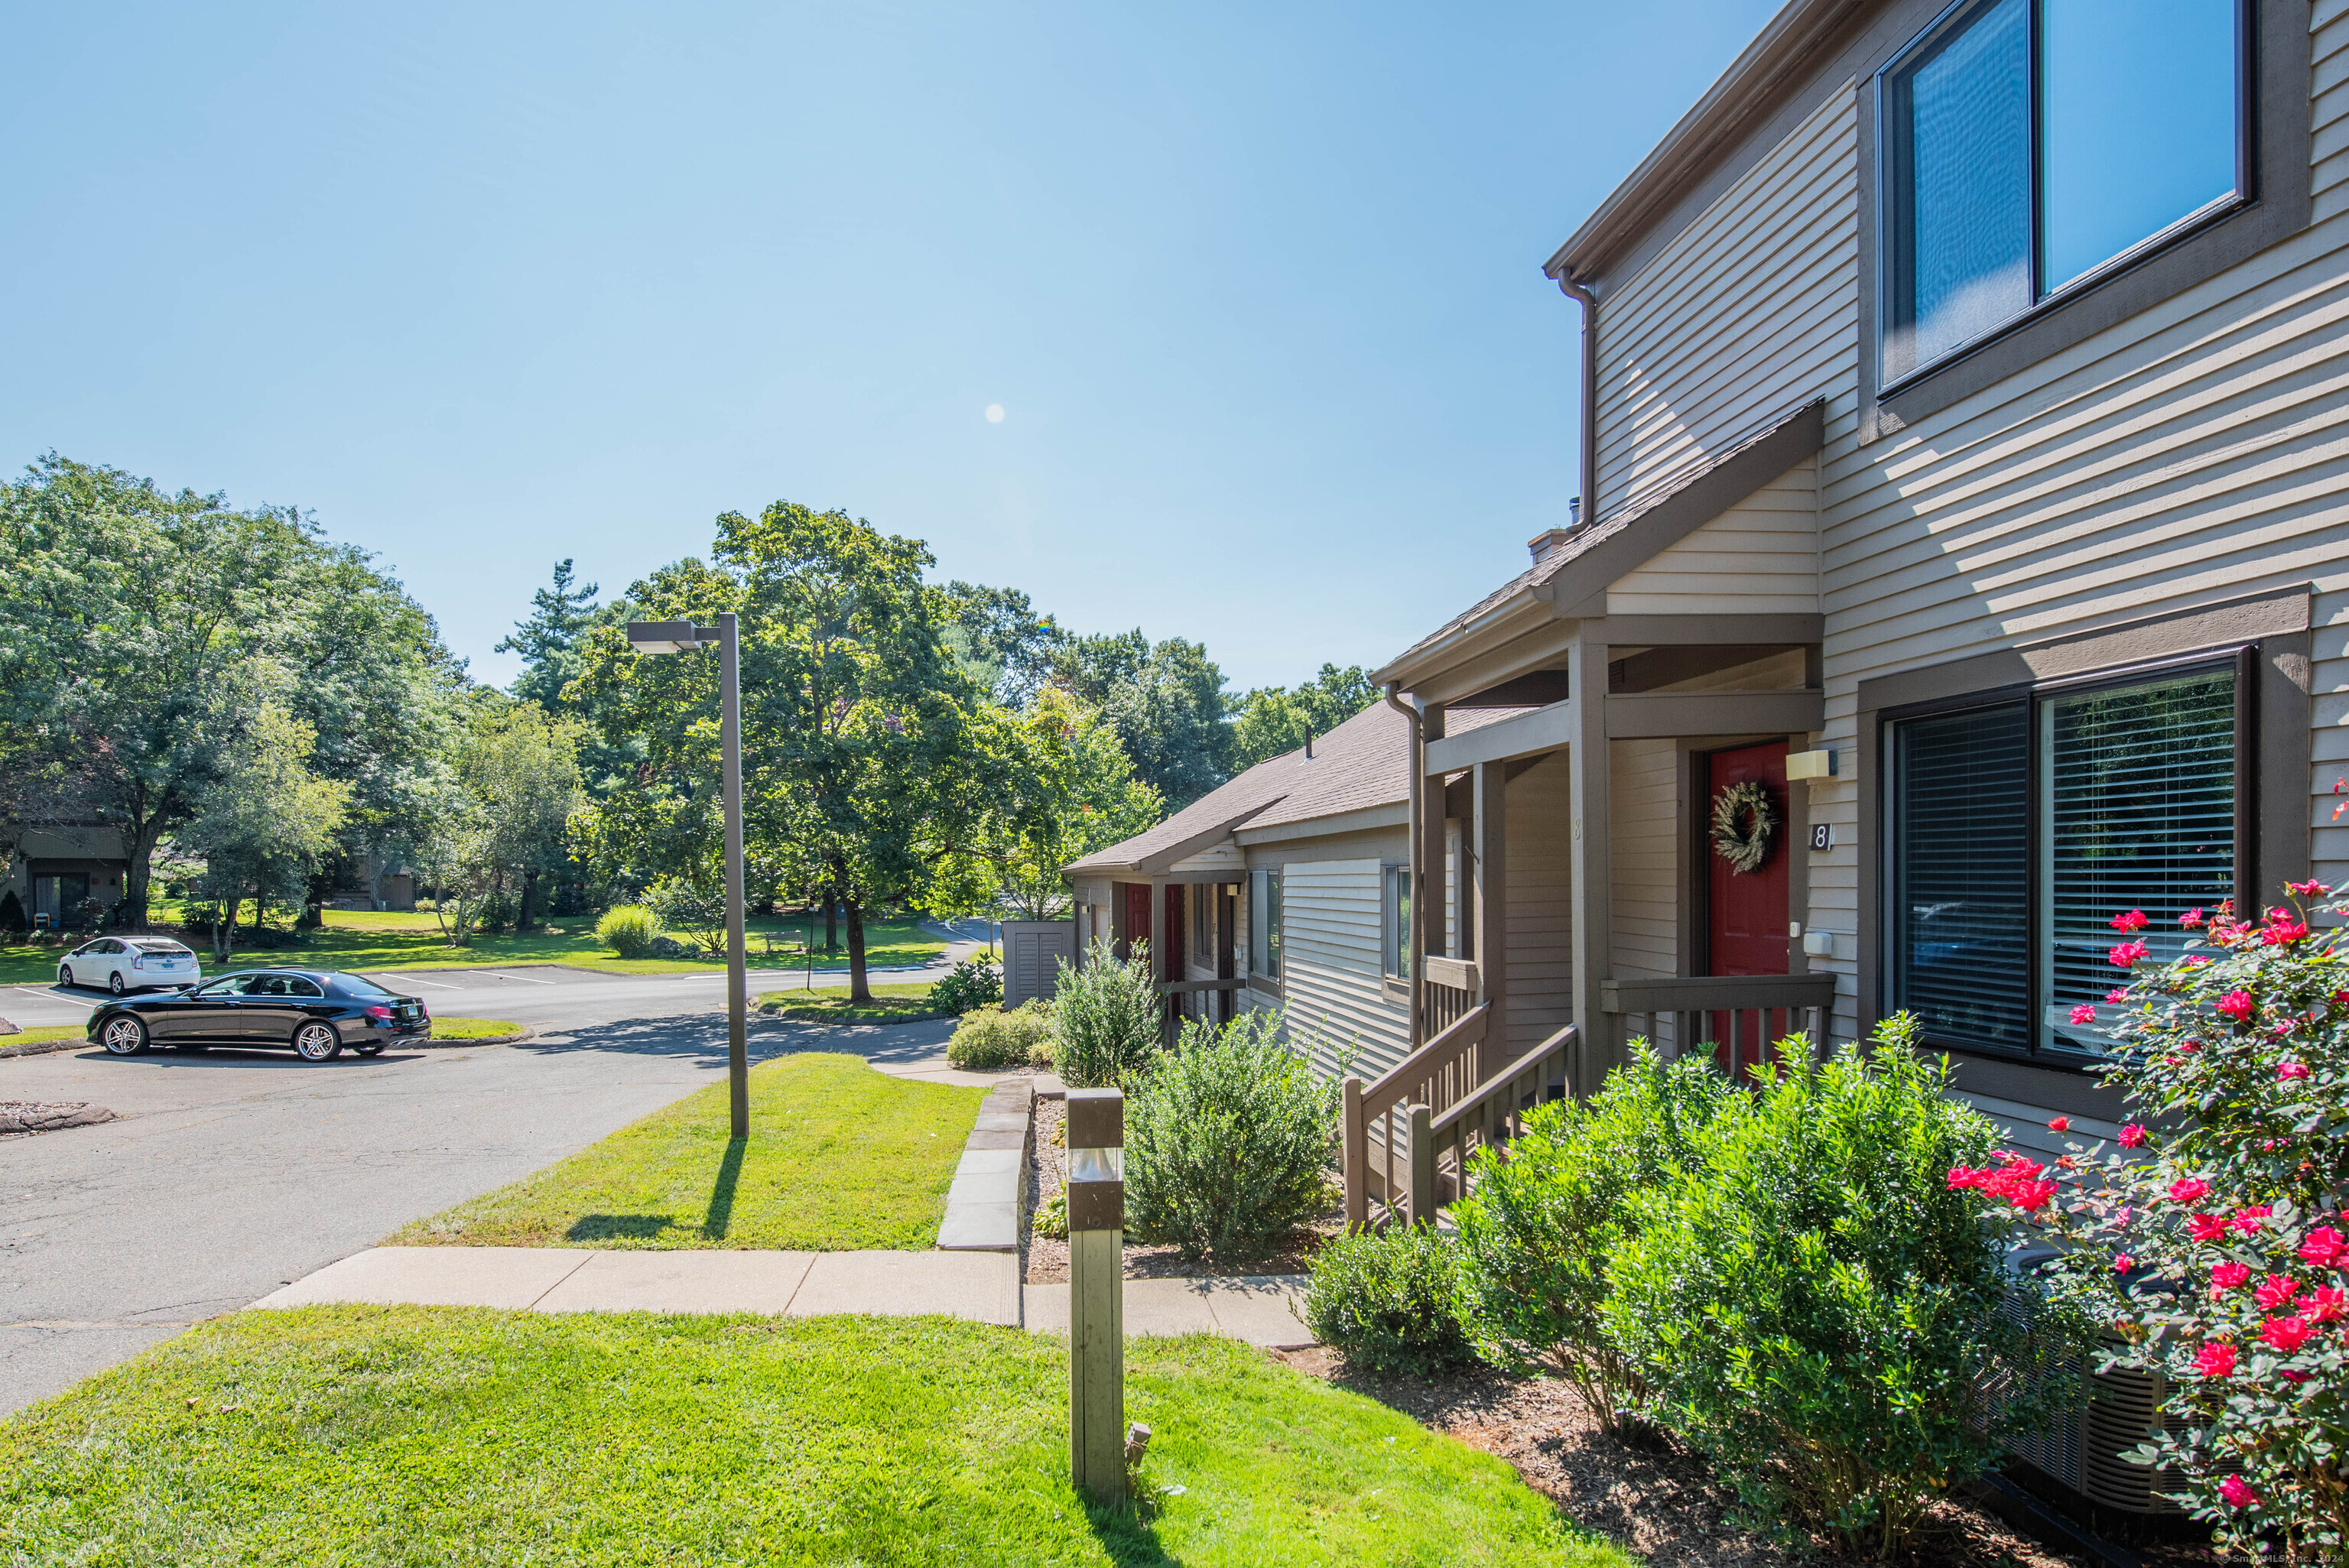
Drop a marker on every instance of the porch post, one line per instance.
(1158, 953)
(1489, 871)
(1593, 873)
(1427, 879)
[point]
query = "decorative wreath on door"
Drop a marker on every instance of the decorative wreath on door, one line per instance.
(1744, 817)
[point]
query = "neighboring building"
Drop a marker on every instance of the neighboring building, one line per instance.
(72, 874)
(1992, 445)
(1286, 887)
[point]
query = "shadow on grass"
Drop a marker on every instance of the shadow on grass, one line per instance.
(721, 1196)
(618, 1227)
(700, 1037)
(1125, 1535)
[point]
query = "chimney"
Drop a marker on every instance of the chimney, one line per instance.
(1549, 539)
(1308, 743)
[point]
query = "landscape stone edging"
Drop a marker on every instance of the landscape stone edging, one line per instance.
(43, 1047)
(527, 1032)
(990, 1181)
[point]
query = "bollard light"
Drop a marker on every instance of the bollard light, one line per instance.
(1095, 1134)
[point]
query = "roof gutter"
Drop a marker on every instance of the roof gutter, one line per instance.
(1586, 511)
(1418, 872)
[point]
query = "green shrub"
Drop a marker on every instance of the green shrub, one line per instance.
(628, 930)
(694, 911)
(974, 982)
(1227, 1141)
(1818, 1309)
(1390, 1300)
(989, 1038)
(1105, 1018)
(1539, 1226)
(1052, 1216)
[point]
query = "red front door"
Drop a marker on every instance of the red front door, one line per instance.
(1745, 911)
(1138, 917)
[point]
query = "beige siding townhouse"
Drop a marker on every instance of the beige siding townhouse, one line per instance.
(1286, 888)
(1965, 516)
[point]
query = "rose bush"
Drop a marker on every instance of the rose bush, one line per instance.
(2213, 1238)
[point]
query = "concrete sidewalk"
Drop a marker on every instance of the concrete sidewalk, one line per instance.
(982, 1286)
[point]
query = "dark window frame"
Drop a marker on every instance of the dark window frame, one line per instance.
(1889, 144)
(2240, 660)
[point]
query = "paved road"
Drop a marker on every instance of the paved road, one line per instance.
(234, 1172)
(527, 993)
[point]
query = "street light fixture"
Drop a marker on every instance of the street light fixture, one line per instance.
(684, 637)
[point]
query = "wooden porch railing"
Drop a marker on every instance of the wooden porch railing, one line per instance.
(1173, 999)
(1438, 1075)
(1737, 1018)
(1486, 1119)
(1448, 990)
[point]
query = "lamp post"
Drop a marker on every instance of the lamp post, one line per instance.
(1095, 1130)
(684, 637)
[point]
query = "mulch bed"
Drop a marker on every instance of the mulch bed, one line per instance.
(1656, 1498)
(1045, 1259)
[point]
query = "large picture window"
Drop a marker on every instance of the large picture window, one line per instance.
(2030, 146)
(2021, 827)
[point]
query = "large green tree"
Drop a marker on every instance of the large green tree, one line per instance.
(501, 811)
(863, 768)
(1166, 702)
(552, 643)
(1069, 788)
(264, 819)
(127, 616)
(1275, 719)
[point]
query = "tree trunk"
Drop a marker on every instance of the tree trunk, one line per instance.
(529, 892)
(858, 990)
(224, 928)
(139, 871)
(831, 924)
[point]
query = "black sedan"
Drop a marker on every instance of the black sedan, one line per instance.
(313, 1012)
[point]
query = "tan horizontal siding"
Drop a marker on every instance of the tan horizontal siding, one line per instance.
(1541, 952)
(1644, 851)
(1331, 967)
(1761, 556)
(1745, 313)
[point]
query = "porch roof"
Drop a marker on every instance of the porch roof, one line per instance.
(1626, 537)
(1363, 762)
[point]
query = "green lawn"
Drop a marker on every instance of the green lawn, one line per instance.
(46, 1032)
(363, 940)
(472, 1029)
(890, 1004)
(410, 1435)
(839, 1157)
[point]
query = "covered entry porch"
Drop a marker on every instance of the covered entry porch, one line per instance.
(1568, 896)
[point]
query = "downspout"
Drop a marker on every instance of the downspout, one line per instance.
(1590, 303)
(1412, 955)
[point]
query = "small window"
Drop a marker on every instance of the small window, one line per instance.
(2031, 144)
(1396, 901)
(2021, 828)
(1264, 925)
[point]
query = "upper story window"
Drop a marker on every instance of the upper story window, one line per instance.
(2030, 146)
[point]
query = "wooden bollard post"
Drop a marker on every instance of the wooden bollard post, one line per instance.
(1096, 1145)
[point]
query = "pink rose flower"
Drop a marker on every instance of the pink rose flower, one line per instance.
(2188, 1190)
(2116, 995)
(2284, 1334)
(2237, 1005)
(2327, 1304)
(2247, 1218)
(2060, 1124)
(2123, 1262)
(2133, 920)
(2126, 953)
(2275, 1291)
(2190, 919)
(2287, 1071)
(2238, 1492)
(2207, 1228)
(2323, 1247)
(2132, 1135)
(2280, 932)
(2083, 1014)
(2215, 1360)
(2309, 888)
(2225, 1277)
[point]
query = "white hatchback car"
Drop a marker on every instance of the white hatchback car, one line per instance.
(123, 964)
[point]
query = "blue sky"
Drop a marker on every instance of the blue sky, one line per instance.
(1256, 287)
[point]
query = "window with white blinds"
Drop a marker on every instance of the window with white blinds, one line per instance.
(2020, 828)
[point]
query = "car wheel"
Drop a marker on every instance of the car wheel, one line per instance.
(317, 1043)
(114, 982)
(125, 1036)
(64, 975)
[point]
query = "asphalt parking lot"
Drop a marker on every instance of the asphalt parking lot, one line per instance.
(234, 1171)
